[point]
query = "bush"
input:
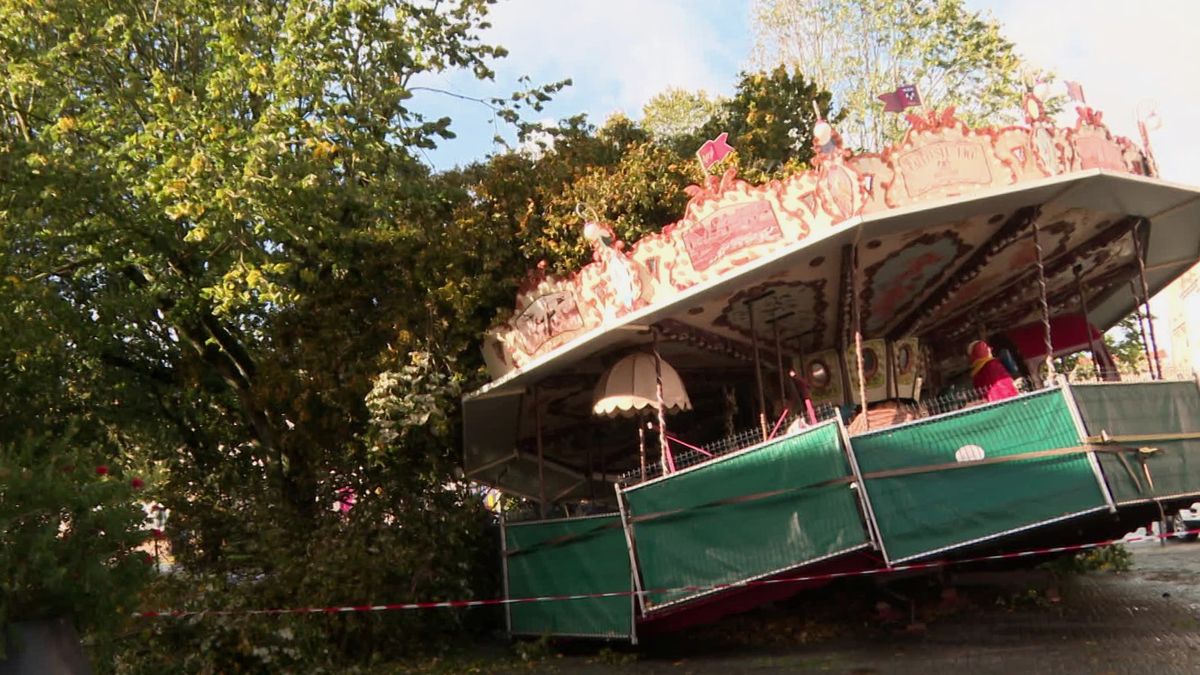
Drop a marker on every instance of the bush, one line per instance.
(446, 550)
(69, 528)
(1115, 558)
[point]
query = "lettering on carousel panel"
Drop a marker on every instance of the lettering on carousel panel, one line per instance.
(546, 318)
(941, 165)
(1098, 152)
(729, 230)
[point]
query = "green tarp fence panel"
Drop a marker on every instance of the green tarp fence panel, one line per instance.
(919, 514)
(1146, 409)
(704, 544)
(569, 557)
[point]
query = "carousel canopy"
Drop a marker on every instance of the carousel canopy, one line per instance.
(941, 226)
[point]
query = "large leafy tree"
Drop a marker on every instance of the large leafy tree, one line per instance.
(858, 49)
(223, 256)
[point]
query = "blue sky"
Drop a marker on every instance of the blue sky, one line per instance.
(621, 52)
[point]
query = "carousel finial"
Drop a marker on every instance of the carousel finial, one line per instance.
(1037, 90)
(825, 138)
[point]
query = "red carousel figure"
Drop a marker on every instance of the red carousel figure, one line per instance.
(988, 374)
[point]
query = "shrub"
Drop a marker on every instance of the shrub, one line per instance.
(70, 525)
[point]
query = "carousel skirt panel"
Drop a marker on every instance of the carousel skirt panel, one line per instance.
(750, 515)
(1151, 456)
(977, 474)
(576, 556)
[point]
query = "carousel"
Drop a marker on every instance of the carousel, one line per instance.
(846, 370)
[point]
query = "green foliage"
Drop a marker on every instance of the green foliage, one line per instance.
(69, 525)
(438, 545)
(628, 175)
(770, 120)
(858, 49)
(1115, 558)
(223, 258)
(1124, 342)
(676, 113)
(534, 650)
(225, 265)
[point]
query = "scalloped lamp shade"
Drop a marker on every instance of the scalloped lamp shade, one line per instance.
(627, 388)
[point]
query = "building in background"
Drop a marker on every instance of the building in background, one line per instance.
(1177, 314)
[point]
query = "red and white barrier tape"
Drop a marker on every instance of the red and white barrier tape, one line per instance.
(689, 589)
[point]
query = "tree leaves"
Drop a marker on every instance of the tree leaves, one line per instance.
(858, 49)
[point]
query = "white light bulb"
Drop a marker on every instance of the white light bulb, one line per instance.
(822, 132)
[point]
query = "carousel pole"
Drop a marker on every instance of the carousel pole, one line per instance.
(591, 467)
(642, 449)
(1137, 311)
(537, 416)
(662, 410)
(806, 394)
(856, 282)
(1141, 261)
(762, 397)
(1051, 376)
(1087, 324)
(779, 360)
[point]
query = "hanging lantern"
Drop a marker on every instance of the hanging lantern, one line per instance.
(628, 387)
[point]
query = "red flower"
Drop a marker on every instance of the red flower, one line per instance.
(137, 483)
(156, 533)
(102, 470)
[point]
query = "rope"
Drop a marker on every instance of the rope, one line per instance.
(1041, 273)
(1141, 260)
(1137, 311)
(1083, 307)
(668, 463)
(878, 571)
(858, 346)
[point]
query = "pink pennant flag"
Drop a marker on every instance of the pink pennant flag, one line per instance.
(1075, 91)
(714, 151)
(905, 96)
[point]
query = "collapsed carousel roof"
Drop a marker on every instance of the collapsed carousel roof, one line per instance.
(941, 226)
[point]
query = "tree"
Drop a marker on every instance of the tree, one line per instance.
(534, 205)
(770, 119)
(858, 49)
(1124, 342)
(676, 113)
(221, 252)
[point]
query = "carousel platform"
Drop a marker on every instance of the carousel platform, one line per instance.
(1075, 460)
(867, 294)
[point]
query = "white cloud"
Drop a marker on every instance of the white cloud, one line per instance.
(618, 52)
(1122, 53)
